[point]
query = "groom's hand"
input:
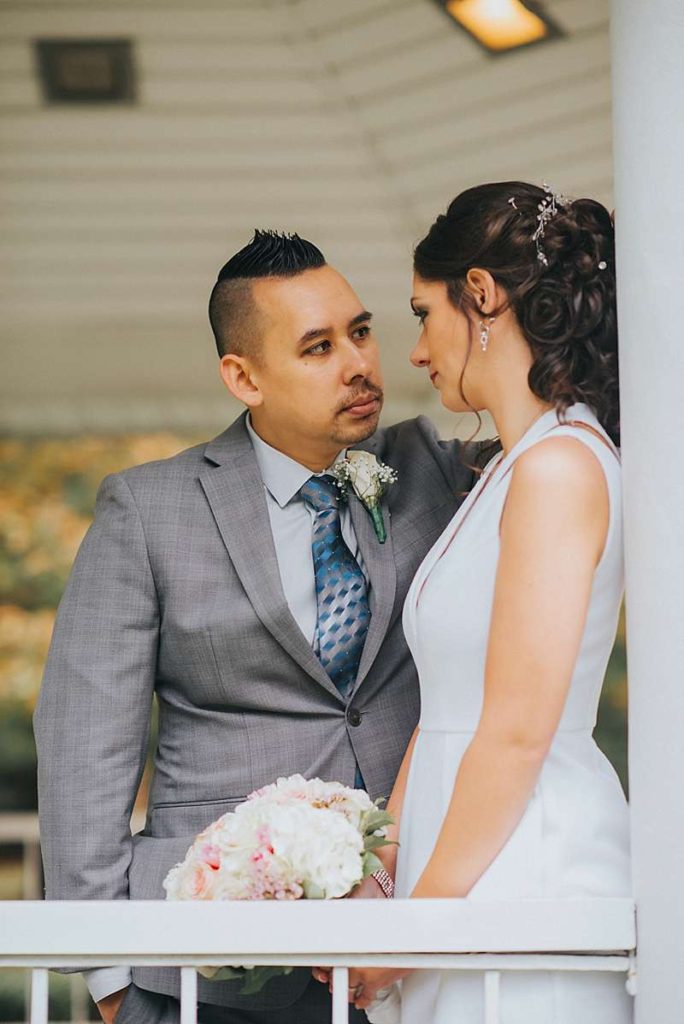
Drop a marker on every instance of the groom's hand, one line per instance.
(109, 1006)
(369, 889)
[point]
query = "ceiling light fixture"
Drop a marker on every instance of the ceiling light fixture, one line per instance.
(86, 70)
(502, 25)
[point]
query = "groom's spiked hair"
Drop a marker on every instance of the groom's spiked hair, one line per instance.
(233, 313)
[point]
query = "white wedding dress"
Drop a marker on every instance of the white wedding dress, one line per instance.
(572, 840)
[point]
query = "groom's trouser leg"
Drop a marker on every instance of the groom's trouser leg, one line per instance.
(313, 1007)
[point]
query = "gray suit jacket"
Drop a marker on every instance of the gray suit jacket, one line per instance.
(176, 592)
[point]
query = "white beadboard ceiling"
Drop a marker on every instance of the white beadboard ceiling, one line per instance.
(353, 123)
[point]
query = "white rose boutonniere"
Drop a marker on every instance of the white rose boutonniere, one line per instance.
(369, 479)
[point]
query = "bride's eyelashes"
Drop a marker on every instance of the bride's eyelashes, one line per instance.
(420, 313)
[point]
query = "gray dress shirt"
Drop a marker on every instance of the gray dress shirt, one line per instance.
(292, 528)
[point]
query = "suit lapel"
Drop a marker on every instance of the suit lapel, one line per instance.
(235, 492)
(379, 561)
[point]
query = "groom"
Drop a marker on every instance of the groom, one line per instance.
(204, 580)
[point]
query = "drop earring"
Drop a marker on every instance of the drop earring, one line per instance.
(485, 328)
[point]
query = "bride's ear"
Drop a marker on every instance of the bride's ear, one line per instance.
(483, 290)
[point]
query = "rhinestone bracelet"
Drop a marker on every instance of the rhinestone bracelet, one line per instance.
(385, 881)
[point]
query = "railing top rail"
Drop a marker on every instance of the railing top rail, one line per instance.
(314, 927)
(19, 827)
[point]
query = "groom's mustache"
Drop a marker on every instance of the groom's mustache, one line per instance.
(364, 392)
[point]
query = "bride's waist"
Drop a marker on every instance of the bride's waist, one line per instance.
(463, 729)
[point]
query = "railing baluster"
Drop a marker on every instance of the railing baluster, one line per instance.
(39, 995)
(492, 991)
(188, 1014)
(340, 1001)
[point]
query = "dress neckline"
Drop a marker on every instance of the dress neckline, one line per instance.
(494, 472)
(549, 420)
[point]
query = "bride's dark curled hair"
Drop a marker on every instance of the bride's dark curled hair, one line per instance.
(565, 308)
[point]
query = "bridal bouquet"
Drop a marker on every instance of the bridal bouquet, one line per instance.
(295, 839)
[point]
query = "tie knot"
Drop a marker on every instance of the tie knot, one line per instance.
(321, 493)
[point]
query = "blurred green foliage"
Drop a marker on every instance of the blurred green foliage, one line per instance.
(611, 730)
(17, 758)
(14, 1002)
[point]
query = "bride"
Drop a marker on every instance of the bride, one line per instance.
(511, 618)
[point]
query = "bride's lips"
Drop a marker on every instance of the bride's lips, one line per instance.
(433, 375)
(364, 405)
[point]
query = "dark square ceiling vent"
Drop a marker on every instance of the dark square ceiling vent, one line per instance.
(86, 70)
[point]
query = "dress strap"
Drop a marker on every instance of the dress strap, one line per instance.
(592, 430)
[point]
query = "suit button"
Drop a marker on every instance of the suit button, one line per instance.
(354, 716)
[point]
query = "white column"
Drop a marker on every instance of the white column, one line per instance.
(648, 85)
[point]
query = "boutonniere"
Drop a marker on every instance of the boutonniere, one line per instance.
(369, 479)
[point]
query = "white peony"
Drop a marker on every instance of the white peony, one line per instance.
(353, 803)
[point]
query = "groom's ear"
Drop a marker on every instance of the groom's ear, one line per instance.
(238, 375)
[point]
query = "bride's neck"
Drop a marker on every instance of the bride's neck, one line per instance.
(514, 413)
(504, 380)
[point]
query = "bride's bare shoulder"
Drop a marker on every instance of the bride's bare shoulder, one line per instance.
(563, 460)
(560, 478)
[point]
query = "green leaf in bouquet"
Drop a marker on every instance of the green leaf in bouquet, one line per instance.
(222, 973)
(371, 863)
(257, 977)
(374, 820)
(372, 842)
(254, 977)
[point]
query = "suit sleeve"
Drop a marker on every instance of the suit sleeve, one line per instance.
(460, 462)
(93, 714)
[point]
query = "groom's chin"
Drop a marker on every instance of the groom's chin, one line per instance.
(352, 430)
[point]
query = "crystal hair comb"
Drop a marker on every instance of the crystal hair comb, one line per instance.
(548, 208)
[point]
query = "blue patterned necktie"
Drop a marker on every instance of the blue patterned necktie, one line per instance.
(341, 596)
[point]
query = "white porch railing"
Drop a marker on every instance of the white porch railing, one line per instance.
(521, 935)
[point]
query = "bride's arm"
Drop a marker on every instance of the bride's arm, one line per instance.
(552, 534)
(388, 854)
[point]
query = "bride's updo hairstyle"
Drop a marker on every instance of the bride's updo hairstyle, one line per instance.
(564, 301)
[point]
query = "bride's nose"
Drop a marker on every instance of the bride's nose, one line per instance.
(420, 356)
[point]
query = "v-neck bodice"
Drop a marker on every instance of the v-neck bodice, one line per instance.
(448, 607)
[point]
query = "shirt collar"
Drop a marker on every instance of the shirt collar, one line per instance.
(283, 477)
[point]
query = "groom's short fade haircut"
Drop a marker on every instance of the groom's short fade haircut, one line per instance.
(233, 313)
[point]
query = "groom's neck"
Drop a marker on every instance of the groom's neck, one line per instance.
(309, 452)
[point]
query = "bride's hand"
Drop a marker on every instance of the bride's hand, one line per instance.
(368, 981)
(368, 889)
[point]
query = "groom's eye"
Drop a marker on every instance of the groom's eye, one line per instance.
(318, 349)
(362, 332)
